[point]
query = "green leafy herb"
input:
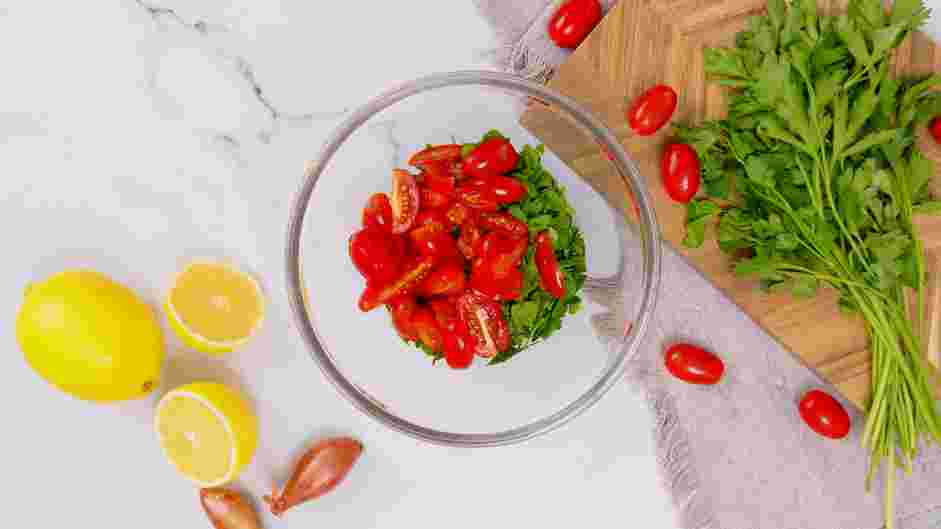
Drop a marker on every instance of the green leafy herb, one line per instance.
(819, 143)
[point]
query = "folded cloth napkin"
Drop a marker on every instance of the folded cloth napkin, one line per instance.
(733, 456)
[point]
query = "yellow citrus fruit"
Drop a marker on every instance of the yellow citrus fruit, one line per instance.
(208, 431)
(214, 307)
(90, 337)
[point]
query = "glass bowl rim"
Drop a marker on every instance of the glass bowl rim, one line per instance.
(627, 168)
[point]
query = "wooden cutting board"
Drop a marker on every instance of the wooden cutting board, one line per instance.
(644, 42)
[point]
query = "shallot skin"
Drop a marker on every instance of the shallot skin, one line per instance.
(316, 473)
(228, 509)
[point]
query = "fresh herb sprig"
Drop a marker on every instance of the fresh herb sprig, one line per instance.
(814, 178)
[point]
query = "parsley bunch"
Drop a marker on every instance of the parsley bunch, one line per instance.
(814, 178)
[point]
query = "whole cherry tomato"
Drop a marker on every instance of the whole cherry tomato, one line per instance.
(679, 169)
(376, 254)
(404, 200)
(936, 129)
(573, 21)
(693, 364)
(378, 213)
(379, 294)
(824, 414)
(401, 309)
(435, 153)
(551, 276)
(431, 199)
(427, 328)
(485, 322)
(492, 157)
(652, 110)
(507, 190)
(447, 279)
(503, 222)
(458, 350)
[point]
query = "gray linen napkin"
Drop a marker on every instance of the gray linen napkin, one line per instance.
(734, 456)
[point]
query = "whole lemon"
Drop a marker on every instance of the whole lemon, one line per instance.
(91, 337)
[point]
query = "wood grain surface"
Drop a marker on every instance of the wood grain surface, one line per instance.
(644, 42)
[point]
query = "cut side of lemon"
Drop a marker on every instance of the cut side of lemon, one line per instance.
(214, 307)
(207, 431)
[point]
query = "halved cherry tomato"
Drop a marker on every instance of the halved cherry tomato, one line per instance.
(936, 129)
(824, 414)
(457, 213)
(376, 295)
(377, 255)
(504, 262)
(493, 244)
(431, 217)
(485, 323)
(440, 245)
(551, 276)
(437, 176)
(679, 169)
(431, 199)
(458, 350)
(477, 197)
(401, 309)
(427, 328)
(434, 153)
(505, 288)
(404, 200)
(446, 314)
(470, 239)
(444, 280)
(503, 222)
(507, 190)
(378, 213)
(492, 157)
(693, 364)
(652, 110)
(573, 21)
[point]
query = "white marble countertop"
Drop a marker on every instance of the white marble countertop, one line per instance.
(133, 135)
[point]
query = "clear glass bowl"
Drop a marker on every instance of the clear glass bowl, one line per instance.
(542, 387)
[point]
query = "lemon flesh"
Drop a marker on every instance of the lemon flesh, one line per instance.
(91, 337)
(207, 431)
(214, 307)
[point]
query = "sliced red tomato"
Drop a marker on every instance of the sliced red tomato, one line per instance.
(693, 364)
(551, 276)
(680, 170)
(477, 197)
(470, 239)
(936, 129)
(503, 222)
(437, 176)
(427, 328)
(508, 190)
(444, 280)
(573, 21)
(435, 153)
(824, 414)
(457, 213)
(652, 110)
(485, 323)
(431, 199)
(505, 288)
(376, 295)
(492, 157)
(378, 213)
(431, 217)
(458, 350)
(376, 254)
(401, 309)
(405, 200)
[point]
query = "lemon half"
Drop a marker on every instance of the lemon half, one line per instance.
(214, 307)
(208, 431)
